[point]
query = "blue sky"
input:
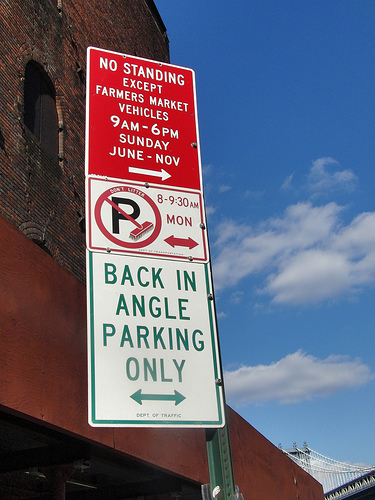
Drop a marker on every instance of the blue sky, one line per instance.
(286, 105)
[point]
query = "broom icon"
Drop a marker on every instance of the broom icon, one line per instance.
(140, 230)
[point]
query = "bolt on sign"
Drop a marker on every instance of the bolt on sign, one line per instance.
(153, 353)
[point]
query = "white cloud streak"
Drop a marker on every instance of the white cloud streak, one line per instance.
(324, 176)
(293, 379)
(287, 184)
(305, 256)
(224, 188)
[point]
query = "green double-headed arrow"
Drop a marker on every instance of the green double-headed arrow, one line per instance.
(176, 397)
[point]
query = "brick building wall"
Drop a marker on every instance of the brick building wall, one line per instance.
(44, 197)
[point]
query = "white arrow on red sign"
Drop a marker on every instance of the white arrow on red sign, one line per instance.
(163, 174)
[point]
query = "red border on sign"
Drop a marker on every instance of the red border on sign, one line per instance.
(127, 244)
(170, 107)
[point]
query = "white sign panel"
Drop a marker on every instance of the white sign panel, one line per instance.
(154, 221)
(152, 344)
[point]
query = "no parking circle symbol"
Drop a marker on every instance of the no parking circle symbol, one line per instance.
(121, 207)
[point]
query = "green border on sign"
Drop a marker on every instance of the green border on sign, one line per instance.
(149, 423)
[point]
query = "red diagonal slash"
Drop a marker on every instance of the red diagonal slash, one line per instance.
(141, 228)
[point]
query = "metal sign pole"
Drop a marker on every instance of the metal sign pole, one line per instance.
(220, 463)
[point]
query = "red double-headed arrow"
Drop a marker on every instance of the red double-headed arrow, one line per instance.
(181, 242)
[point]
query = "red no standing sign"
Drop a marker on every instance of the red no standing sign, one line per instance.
(141, 121)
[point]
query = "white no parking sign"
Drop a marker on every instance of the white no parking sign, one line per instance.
(127, 217)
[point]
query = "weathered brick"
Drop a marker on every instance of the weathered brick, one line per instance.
(45, 199)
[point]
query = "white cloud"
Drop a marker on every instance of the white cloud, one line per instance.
(305, 256)
(210, 210)
(324, 176)
(287, 184)
(310, 276)
(295, 378)
(254, 195)
(207, 169)
(223, 188)
(236, 296)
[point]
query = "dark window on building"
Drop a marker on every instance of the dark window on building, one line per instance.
(40, 115)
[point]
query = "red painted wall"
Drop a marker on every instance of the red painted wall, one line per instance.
(44, 376)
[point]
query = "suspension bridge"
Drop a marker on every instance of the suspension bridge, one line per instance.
(340, 480)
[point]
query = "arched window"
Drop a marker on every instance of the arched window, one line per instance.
(40, 115)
